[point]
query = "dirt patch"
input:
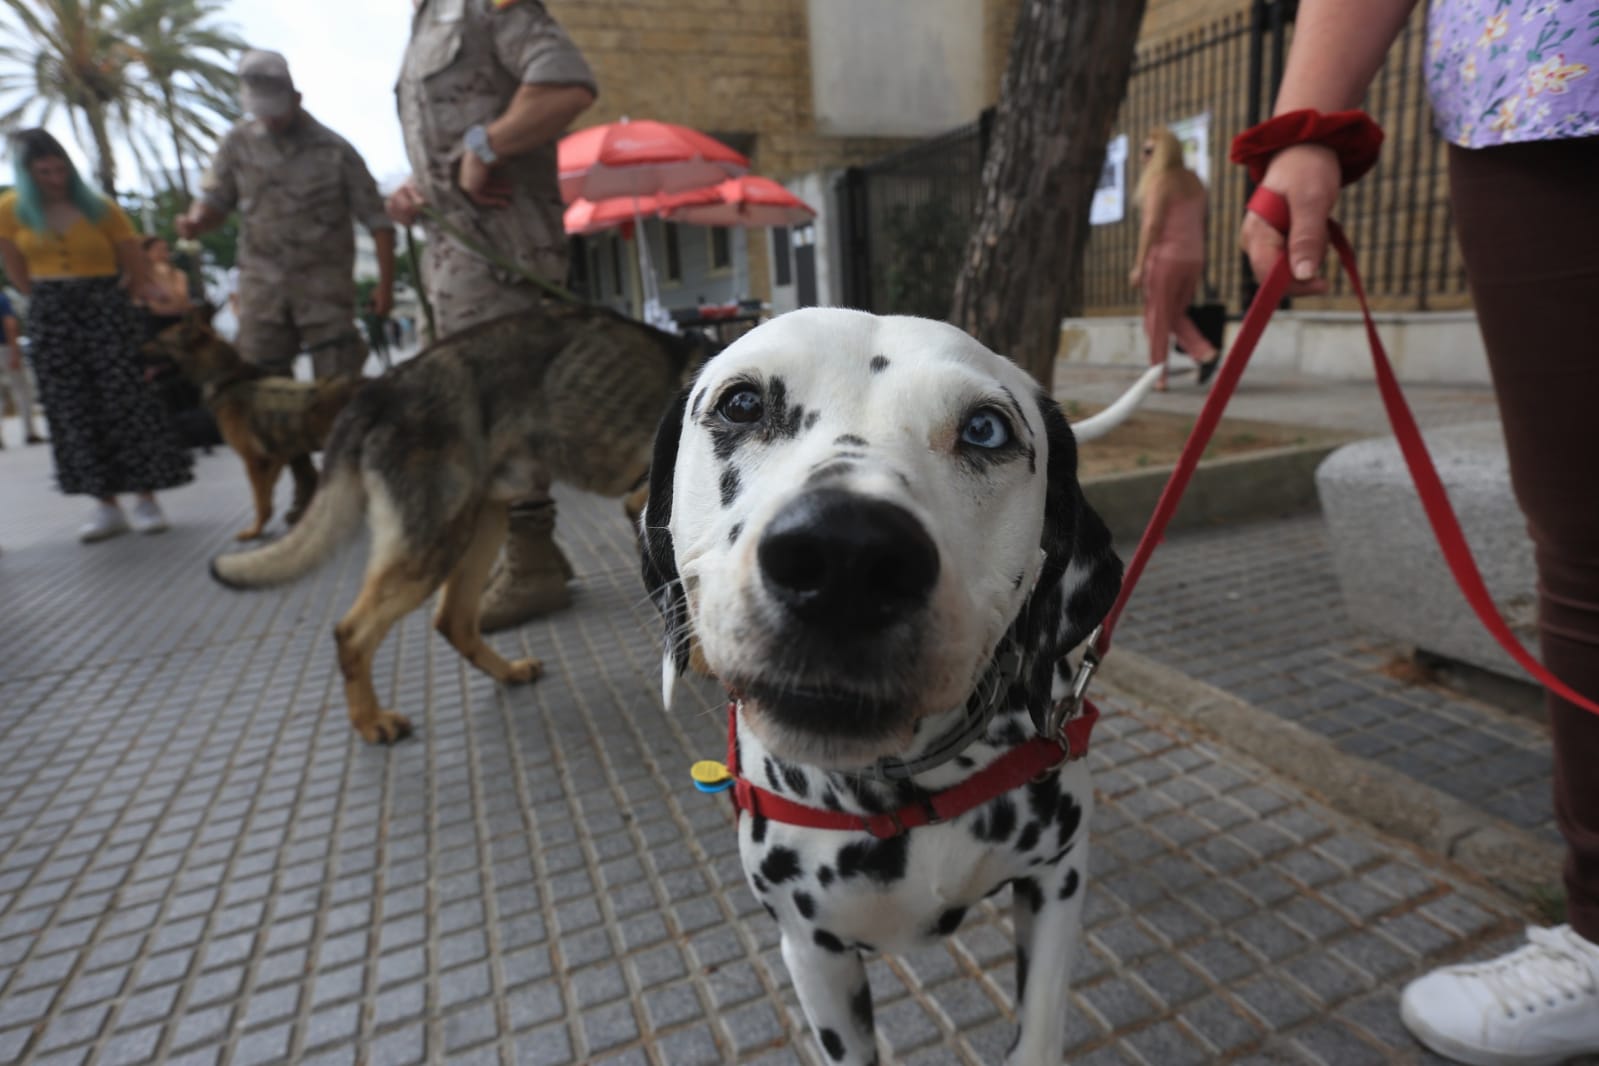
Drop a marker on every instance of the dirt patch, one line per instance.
(1156, 438)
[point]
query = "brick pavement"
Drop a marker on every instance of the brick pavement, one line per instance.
(200, 863)
(1256, 611)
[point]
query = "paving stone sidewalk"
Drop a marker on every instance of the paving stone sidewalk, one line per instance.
(200, 863)
(1255, 610)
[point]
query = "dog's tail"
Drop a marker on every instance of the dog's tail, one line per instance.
(335, 511)
(1102, 423)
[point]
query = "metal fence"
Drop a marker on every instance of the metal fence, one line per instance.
(906, 220)
(1397, 217)
(906, 217)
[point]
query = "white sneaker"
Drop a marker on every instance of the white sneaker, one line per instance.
(106, 522)
(147, 517)
(1534, 1007)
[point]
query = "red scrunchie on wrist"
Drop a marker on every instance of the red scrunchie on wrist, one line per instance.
(1352, 135)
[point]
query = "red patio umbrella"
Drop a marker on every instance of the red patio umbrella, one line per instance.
(747, 200)
(589, 216)
(642, 158)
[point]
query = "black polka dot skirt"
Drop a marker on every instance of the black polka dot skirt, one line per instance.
(108, 430)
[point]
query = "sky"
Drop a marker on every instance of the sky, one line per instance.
(344, 55)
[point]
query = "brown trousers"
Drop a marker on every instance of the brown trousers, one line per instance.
(1528, 220)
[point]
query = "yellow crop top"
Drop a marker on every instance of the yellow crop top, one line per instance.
(86, 250)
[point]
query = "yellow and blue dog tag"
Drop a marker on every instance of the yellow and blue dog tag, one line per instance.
(711, 776)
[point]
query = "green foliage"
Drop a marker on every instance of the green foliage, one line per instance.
(153, 213)
(403, 275)
(924, 246)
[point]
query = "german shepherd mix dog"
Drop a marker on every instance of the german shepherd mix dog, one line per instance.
(432, 453)
(272, 422)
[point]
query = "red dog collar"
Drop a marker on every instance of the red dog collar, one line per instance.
(1010, 771)
(1352, 135)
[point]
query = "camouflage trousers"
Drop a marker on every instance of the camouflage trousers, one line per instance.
(465, 290)
(336, 348)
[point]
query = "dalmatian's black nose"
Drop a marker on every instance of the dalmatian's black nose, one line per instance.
(843, 559)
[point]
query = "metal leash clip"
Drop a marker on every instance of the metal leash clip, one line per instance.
(1068, 706)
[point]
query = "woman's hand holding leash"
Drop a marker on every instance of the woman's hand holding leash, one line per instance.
(1306, 176)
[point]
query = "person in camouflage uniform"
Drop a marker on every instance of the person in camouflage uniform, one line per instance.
(486, 89)
(300, 189)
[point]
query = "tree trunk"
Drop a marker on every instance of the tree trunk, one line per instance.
(177, 139)
(1064, 82)
(105, 167)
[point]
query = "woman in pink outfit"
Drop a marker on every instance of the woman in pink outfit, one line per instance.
(1171, 252)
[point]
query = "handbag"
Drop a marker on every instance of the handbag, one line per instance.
(1210, 318)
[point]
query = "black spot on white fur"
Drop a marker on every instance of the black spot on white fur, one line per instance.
(881, 861)
(879, 363)
(794, 777)
(1069, 888)
(828, 942)
(730, 485)
(1028, 893)
(997, 821)
(860, 1007)
(850, 440)
(781, 864)
(805, 904)
(833, 1043)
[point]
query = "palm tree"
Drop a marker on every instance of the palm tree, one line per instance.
(114, 65)
(187, 60)
(67, 53)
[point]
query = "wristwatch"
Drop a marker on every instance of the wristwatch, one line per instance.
(476, 140)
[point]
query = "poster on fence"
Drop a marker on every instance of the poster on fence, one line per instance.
(1194, 133)
(1110, 198)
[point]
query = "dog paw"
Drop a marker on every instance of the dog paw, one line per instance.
(385, 727)
(523, 671)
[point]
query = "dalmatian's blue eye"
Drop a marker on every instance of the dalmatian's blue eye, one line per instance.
(986, 429)
(742, 405)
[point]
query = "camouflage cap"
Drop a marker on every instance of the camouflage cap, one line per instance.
(266, 89)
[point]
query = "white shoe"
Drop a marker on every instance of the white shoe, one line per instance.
(1534, 1007)
(147, 517)
(106, 522)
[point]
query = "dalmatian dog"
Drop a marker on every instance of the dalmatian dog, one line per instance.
(872, 529)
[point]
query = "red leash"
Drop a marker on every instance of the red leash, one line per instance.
(1434, 500)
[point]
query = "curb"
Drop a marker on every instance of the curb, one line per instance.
(1264, 484)
(1519, 862)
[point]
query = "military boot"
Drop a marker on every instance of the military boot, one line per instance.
(531, 578)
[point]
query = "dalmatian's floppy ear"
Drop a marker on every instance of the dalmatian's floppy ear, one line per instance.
(661, 579)
(1081, 575)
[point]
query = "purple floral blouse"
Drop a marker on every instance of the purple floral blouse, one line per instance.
(1501, 71)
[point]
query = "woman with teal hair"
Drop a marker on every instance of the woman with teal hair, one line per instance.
(76, 257)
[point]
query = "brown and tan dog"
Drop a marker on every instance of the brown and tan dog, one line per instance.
(271, 422)
(431, 453)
